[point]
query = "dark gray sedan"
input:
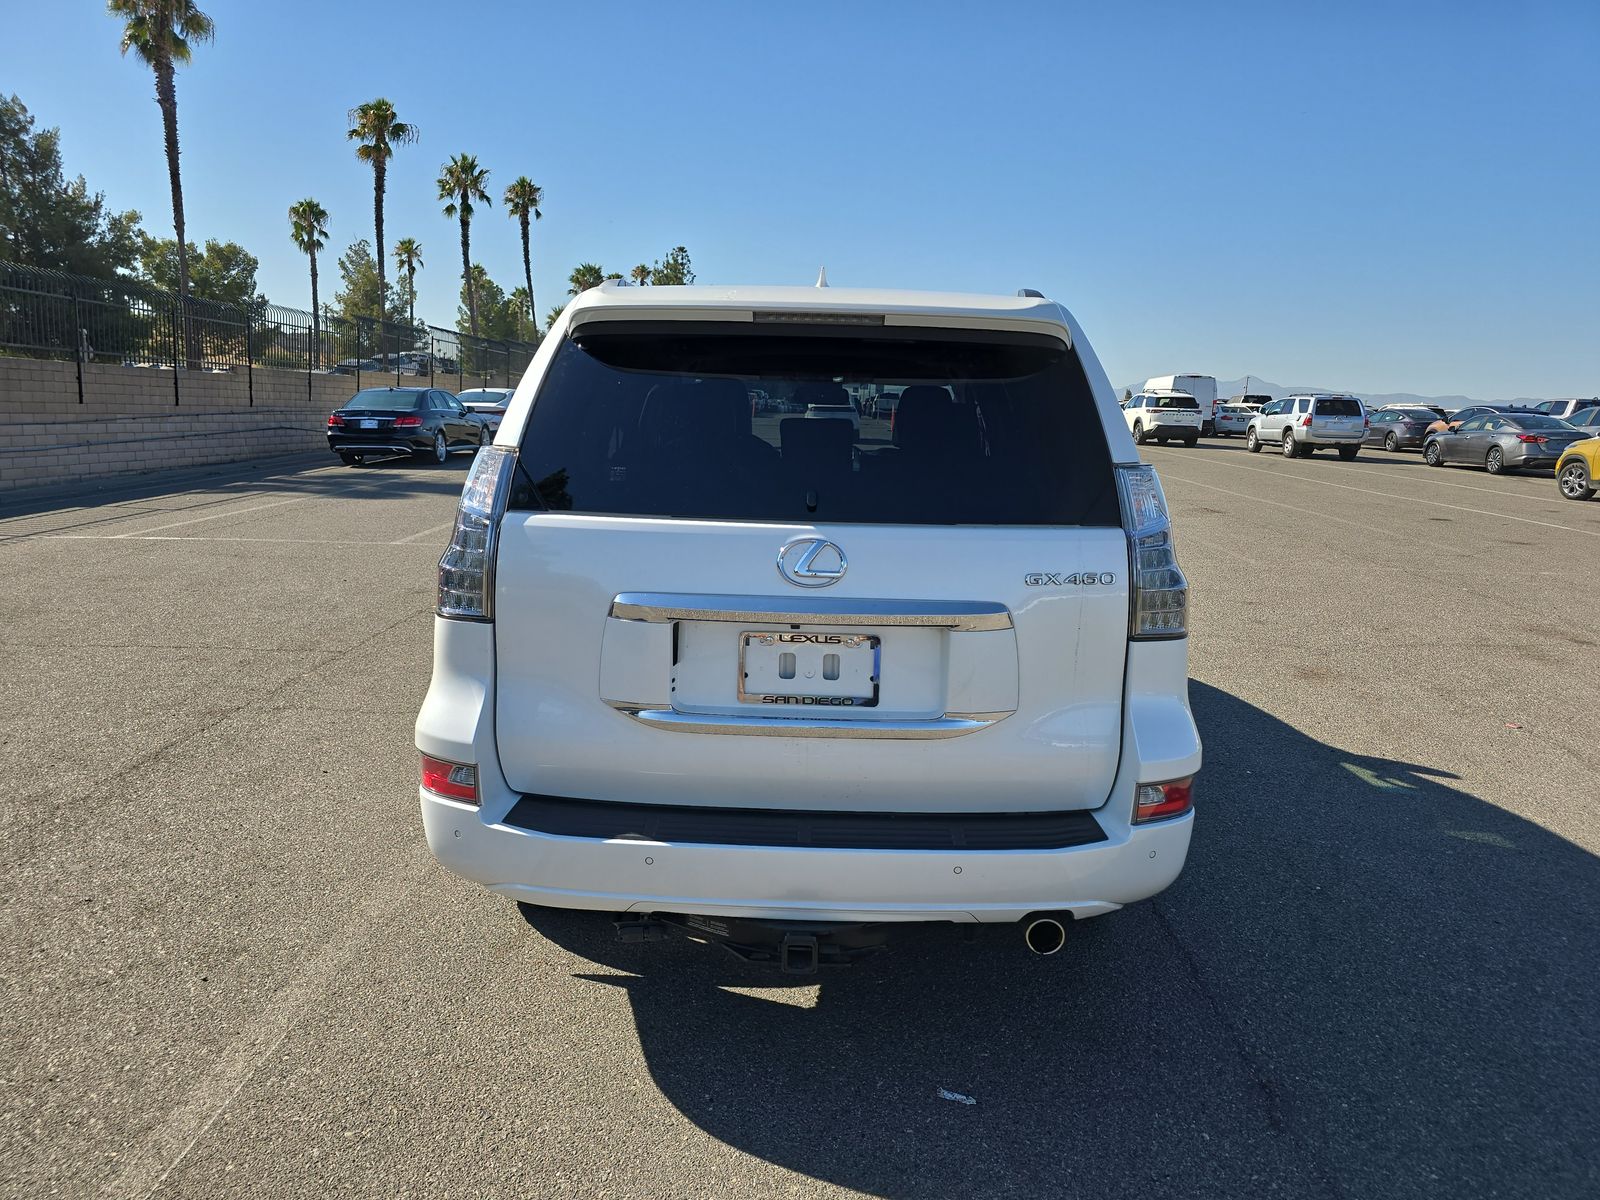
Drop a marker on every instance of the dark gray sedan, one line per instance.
(1399, 428)
(1501, 442)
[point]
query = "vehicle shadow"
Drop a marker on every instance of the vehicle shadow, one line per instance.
(1366, 983)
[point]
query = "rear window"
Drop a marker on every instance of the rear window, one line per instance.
(1338, 406)
(1185, 402)
(1540, 421)
(657, 420)
(383, 399)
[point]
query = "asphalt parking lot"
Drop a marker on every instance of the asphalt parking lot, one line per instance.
(232, 967)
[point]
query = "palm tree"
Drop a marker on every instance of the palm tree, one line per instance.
(159, 32)
(523, 198)
(461, 181)
(641, 274)
(552, 316)
(408, 256)
(585, 276)
(379, 131)
(308, 226)
(527, 325)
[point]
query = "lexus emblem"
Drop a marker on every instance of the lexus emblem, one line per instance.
(812, 562)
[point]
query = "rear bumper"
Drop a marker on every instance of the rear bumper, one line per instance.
(1161, 429)
(646, 872)
(786, 883)
(377, 442)
(1331, 439)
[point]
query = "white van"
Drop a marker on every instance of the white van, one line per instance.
(783, 686)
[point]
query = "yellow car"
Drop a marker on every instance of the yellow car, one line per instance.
(1577, 468)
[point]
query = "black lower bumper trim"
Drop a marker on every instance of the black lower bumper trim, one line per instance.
(707, 825)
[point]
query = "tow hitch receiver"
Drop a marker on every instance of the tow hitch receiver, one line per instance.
(794, 947)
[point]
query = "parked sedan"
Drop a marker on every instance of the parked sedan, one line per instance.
(1232, 418)
(488, 403)
(426, 423)
(1399, 428)
(1501, 442)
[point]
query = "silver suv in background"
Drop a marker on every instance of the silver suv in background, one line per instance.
(783, 684)
(1303, 424)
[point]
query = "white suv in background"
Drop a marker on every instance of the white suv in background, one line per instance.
(783, 683)
(1163, 415)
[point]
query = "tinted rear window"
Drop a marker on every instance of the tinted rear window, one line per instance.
(1186, 402)
(1338, 406)
(383, 400)
(654, 420)
(1539, 421)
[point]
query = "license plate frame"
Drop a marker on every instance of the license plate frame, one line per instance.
(858, 683)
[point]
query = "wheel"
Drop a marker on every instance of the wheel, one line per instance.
(1391, 443)
(1190, 440)
(1575, 482)
(1138, 433)
(483, 438)
(351, 460)
(1290, 448)
(1495, 461)
(1251, 442)
(1207, 429)
(1348, 453)
(1432, 455)
(441, 448)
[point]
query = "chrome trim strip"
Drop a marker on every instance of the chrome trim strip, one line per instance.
(948, 726)
(962, 615)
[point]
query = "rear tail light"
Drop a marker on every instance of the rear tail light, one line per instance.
(1366, 422)
(1160, 801)
(454, 781)
(1158, 593)
(411, 422)
(1531, 437)
(466, 572)
(335, 421)
(1306, 424)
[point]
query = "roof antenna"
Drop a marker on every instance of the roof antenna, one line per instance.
(822, 276)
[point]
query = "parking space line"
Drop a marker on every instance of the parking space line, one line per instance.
(1482, 512)
(415, 537)
(140, 537)
(232, 512)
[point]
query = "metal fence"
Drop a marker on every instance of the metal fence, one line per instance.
(51, 314)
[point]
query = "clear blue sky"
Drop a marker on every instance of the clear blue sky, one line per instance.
(1387, 197)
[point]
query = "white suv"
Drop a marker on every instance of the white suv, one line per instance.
(784, 683)
(1163, 415)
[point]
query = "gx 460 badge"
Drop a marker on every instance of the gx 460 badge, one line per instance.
(1076, 579)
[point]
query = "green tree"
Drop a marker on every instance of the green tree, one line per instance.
(497, 314)
(461, 182)
(408, 256)
(674, 269)
(160, 33)
(640, 274)
(308, 226)
(224, 272)
(377, 129)
(523, 198)
(47, 220)
(610, 275)
(527, 326)
(585, 276)
(552, 316)
(362, 293)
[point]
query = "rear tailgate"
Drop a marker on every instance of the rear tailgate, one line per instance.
(1043, 662)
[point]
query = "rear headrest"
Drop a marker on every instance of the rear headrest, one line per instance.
(714, 411)
(929, 420)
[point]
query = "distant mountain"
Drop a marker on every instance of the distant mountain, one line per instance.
(1261, 387)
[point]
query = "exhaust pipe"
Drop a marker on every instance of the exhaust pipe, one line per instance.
(1044, 935)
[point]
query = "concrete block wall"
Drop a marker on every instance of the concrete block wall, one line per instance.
(129, 423)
